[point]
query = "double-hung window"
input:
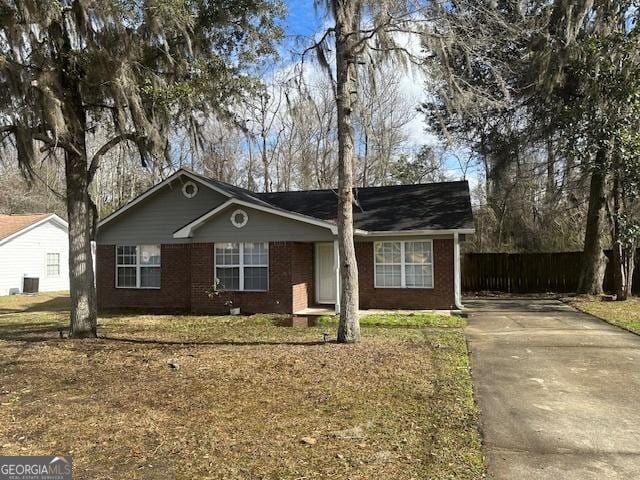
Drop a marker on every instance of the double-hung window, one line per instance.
(53, 264)
(242, 266)
(138, 266)
(404, 264)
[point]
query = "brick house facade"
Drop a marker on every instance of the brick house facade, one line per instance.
(278, 250)
(187, 273)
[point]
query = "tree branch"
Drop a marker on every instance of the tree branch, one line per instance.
(55, 143)
(93, 166)
(321, 57)
(319, 43)
(59, 195)
(7, 129)
(50, 143)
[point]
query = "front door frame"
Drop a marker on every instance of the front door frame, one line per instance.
(317, 245)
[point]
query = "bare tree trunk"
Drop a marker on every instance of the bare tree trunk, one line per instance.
(250, 179)
(618, 254)
(594, 259)
(550, 192)
(365, 163)
(265, 164)
(622, 271)
(347, 16)
(630, 268)
(623, 258)
(81, 211)
(82, 219)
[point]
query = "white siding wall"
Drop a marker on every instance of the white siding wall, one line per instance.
(26, 254)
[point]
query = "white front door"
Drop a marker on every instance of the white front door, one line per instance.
(325, 274)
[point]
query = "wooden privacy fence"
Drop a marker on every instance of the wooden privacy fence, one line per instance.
(529, 272)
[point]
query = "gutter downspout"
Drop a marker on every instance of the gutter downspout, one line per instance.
(457, 277)
(336, 272)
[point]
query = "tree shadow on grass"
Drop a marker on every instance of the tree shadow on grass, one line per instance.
(56, 304)
(137, 312)
(46, 332)
(32, 332)
(189, 343)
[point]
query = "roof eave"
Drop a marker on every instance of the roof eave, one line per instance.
(157, 187)
(432, 231)
(33, 225)
(187, 230)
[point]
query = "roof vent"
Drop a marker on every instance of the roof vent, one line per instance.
(189, 189)
(239, 218)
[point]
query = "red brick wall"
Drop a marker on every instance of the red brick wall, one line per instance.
(175, 281)
(302, 276)
(439, 297)
(290, 281)
(187, 273)
(202, 255)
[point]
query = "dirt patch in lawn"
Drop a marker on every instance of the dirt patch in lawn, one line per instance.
(623, 314)
(237, 398)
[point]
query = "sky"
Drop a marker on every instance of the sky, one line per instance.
(304, 20)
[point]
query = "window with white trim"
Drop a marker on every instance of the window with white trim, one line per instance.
(53, 264)
(138, 266)
(404, 264)
(242, 266)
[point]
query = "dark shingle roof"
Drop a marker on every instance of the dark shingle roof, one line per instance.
(427, 206)
(232, 190)
(445, 205)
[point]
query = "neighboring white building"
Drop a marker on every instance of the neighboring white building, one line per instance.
(34, 245)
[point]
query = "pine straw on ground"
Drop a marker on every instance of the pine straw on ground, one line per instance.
(245, 394)
(623, 314)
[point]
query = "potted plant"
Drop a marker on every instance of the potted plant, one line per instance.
(217, 290)
(232, 310)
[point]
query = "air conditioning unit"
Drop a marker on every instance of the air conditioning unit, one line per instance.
(30, 284)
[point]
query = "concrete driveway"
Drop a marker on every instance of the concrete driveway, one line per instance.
(558, 391)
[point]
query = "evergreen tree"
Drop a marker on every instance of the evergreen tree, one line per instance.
(130, 70)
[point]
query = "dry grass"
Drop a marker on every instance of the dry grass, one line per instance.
(410, 320)
(397, 406)
(41, 302)
(623, 314)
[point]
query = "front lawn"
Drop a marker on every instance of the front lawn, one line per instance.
(191, 397)
(42, 302)
(410, 320)
(623, 314)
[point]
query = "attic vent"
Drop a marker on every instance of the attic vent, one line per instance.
(189, 189)
(239, 218)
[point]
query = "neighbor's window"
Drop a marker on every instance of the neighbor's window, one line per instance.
(404, 264)
(242, 266)
(138, 266)
(53, 264)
